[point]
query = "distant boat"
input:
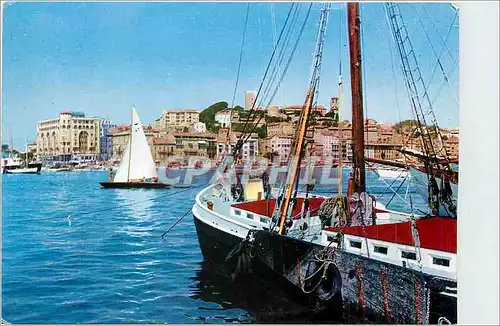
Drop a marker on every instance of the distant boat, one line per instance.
(386, 173)
(15, 166)
(137, 168)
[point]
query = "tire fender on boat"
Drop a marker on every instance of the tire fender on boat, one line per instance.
(331, 284)
(325, 283)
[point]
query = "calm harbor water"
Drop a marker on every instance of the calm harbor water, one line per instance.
(108, 263)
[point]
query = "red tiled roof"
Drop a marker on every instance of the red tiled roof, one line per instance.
(195, 134)
(163, 141)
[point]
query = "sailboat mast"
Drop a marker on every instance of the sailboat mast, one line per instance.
(357, 96)
(130, 143)
(26, 149)
(11, 141)
(295, 161)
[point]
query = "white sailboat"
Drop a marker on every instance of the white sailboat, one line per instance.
(137, 168)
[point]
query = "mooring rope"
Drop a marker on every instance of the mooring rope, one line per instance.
(176, 222)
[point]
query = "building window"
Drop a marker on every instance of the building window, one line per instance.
(380, 250)
(237, 212)
(355, 244)
(441, 261)
(263, 219)
(250, 216)
(408, 255)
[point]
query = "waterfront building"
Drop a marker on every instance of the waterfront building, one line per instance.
(385, 133)
(250, 98)
(274, 111)
(105, 139)
(451, 145)
(163, 148)
(223, 117)
(195, 144)
(371, 131)
(297, 109)
(281, 146)
(119, 139)
(178, 118)
(334, 106)
(32, 149)
(383, 151)
(71, 136)
(248, 151)
(280, 128)
(200, 127)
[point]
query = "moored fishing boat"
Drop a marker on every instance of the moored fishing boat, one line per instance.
(344, 251)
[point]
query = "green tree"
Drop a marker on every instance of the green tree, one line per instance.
(208, 115)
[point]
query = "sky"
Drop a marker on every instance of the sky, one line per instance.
(102, 58)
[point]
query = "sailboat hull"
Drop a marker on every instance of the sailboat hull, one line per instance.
(131, 185)
(22, 171)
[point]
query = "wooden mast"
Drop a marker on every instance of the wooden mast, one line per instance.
(295, 160)
(357, 96)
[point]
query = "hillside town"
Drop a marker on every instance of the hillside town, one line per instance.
(210, 133)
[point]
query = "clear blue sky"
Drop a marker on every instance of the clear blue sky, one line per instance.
(101, 58)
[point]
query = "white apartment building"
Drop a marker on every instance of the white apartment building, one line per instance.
(282, 145)
(71, 136)
(223, 117)
(179, 118)
(200, 127)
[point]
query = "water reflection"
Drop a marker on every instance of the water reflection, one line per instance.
(137, 202)
(264, 301)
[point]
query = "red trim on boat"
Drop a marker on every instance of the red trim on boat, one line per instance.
(266, 207)
(436, 233)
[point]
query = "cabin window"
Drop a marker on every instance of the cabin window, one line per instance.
(250, 216)
(237, 212)
(263, 219)
(408, 255)
(355, 244)
(380, 250)
(441, 261)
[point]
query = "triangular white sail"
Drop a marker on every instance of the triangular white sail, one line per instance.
(137, 161)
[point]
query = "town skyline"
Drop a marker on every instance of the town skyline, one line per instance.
(79, 57)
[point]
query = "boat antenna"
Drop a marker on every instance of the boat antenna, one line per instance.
(357, 96)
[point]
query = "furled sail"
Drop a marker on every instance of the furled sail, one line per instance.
(137, 162)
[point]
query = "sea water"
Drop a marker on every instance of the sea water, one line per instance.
(73, 252)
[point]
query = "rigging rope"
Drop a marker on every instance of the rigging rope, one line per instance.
(438, 63)
(241, 55)
(239, 143)
(284, 71)
(276, 67)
